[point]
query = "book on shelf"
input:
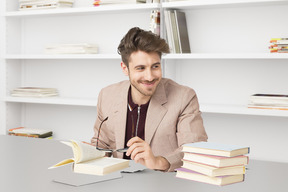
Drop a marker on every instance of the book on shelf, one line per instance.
(179, 0)
(213, 171)
(169, 33)
(219, 180)
(154, 26)
(177, 31)
(273, 100)
(30, 132)
(218, 149)
(217, 161)
(182, 31)
(269, 107)
(44, 4)
(34, 92)
(278, 45)
(80, 48)
(109, 2)
(88, 160)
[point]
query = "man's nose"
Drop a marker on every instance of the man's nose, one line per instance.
(148, 75)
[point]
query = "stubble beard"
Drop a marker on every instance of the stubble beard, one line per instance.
(143, 92)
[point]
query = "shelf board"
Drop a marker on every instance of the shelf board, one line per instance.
(168, 56)
(219, 3)
(227, 56)
(63, 56)
(86, 10)
(240, 110)
(54, 101)
(204, 107)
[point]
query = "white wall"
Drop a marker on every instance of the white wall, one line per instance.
(266, 136)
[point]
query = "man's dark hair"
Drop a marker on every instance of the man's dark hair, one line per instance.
(138, 39)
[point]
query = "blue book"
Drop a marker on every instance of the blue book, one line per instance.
(208, 148)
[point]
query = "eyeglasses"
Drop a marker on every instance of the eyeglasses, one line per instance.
(123, 150)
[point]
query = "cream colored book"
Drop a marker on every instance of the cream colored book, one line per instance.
(214, 171)
(220, 180)
(88, 160)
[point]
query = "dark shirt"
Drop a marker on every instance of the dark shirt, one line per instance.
(135, 113)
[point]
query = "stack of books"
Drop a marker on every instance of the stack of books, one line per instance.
(30, 132)
(217, 164)
(34, 92)
(268, 101)
(109, 2)
(176, 31)
(81, 48)
(155, 22)
(279, 45)
(44, 4)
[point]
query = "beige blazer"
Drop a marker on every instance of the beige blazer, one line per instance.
(173, 119)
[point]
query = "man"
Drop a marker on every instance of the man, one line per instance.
(151, 115)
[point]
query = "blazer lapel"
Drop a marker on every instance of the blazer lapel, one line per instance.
(119, 117)
(156, 112)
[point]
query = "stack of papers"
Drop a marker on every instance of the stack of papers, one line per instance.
(34, 92)
(83, 48)
(44, 4)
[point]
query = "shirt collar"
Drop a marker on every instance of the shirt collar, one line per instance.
(132, 105)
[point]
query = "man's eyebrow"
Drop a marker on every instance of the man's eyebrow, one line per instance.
(139, 66)
(157, 63)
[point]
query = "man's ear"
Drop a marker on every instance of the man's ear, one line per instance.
(124, 68)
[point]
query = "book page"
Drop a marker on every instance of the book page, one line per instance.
(64, 162)
(84, 151)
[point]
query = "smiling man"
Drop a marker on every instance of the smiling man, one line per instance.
(150, 116)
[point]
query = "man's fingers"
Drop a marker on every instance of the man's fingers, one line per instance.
(137, 151)
(134, 140)
(133, 147)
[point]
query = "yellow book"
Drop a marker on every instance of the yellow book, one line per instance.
(88, 160)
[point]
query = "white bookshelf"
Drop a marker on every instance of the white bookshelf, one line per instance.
(62, 56)
(230, 61)
(78, 77)
(84, 10)
(240, 110)
(196, 4)
(55, 101)
(204, 107)
(226, 56)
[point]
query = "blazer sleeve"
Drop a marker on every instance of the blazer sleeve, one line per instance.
(190, 127)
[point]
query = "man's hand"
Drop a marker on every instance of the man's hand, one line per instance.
(141, 152)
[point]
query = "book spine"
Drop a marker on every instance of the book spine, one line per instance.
(23, 135)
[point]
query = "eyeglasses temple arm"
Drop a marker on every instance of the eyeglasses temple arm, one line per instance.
(99, 130)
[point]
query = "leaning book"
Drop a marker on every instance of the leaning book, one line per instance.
(220, 180)
(88, 160)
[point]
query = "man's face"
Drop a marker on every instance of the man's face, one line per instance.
(144, 73)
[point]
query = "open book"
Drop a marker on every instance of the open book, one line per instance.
(88, 160)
